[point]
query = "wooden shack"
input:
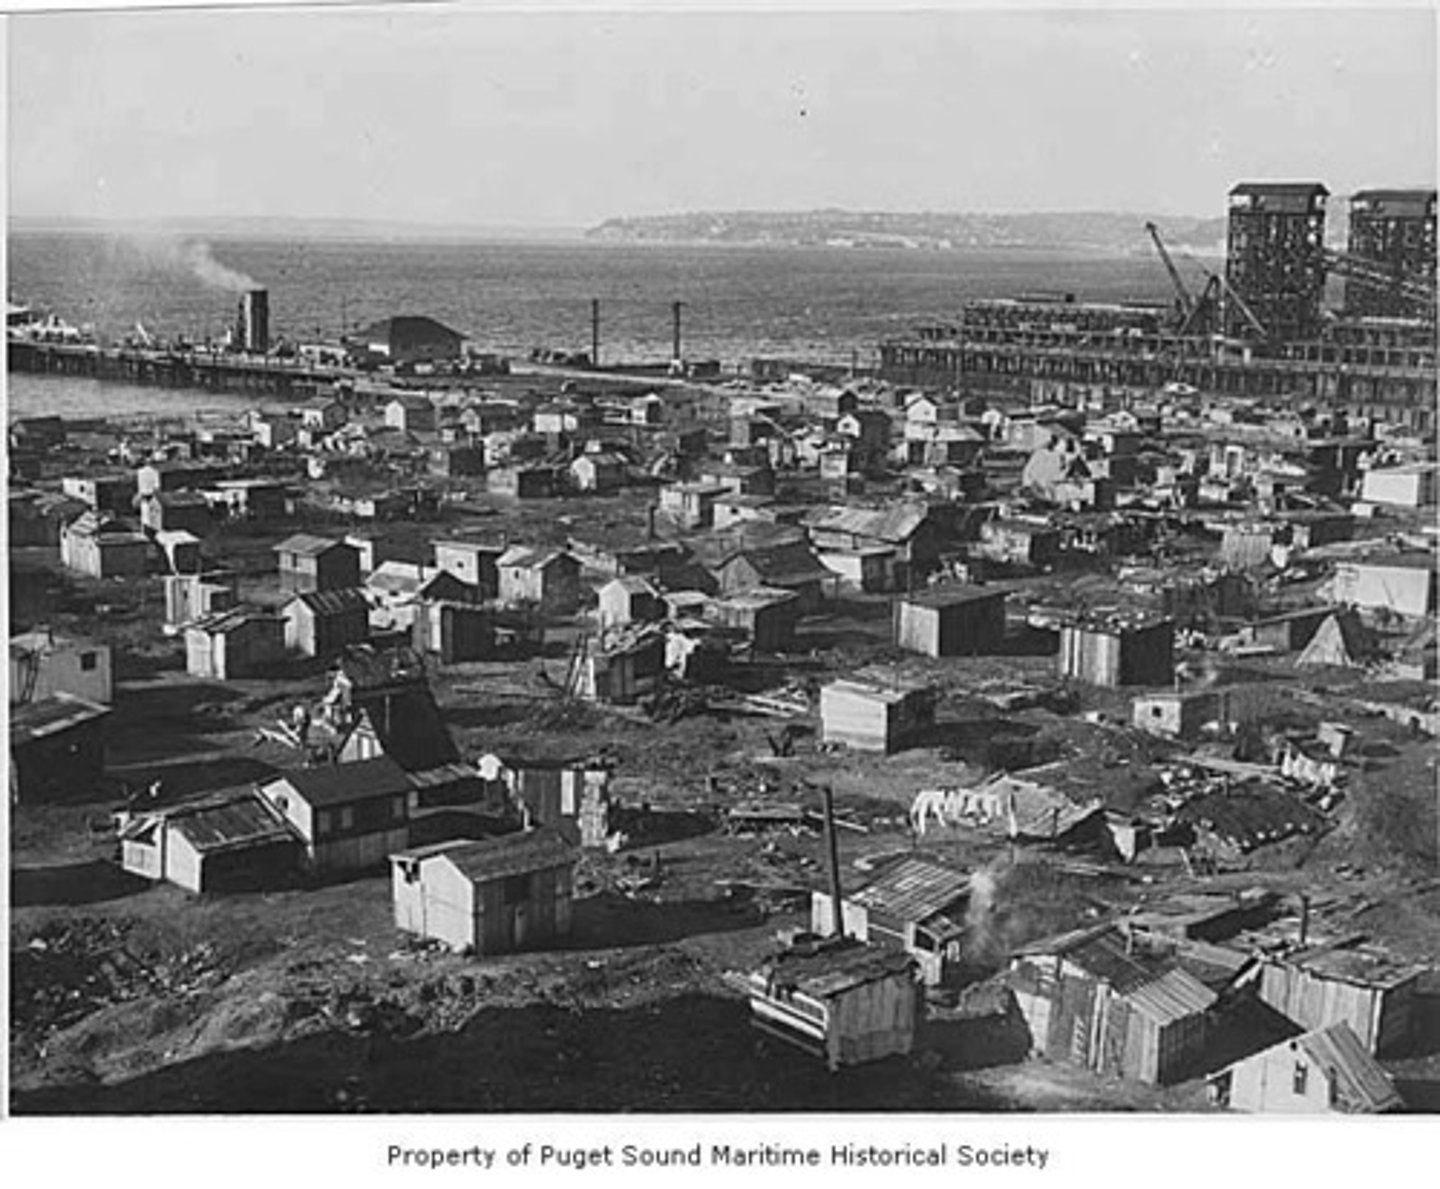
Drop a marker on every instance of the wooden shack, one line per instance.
(568, 794)
(240, 643)
(915, 904)
(842, 1001)
(1095, 998)
(868, 716)
(453, 631)
(230, 841)
(322, 623)
(57, 749)
(497, 895)
(309, 563)
(349, 816)
(1350, 982)
(767, 617)
(951, 621)
(1114, 652)
(1326, 1071)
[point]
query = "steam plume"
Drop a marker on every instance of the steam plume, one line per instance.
(193, 257)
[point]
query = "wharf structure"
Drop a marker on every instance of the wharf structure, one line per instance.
(1260, 330)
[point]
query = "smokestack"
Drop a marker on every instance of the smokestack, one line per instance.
(595, 332)
(675, 309)
(650, 523)
(832, 845)
(252, 328)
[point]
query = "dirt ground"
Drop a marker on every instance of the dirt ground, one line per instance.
(133, 998)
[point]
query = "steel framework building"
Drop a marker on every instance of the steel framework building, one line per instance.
(1394, 229)
(1275, 258)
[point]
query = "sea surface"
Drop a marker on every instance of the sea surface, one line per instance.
(817, 304)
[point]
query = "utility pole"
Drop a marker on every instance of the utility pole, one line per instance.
(595, 332)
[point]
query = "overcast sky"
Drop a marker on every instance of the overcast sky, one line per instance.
(564, 120)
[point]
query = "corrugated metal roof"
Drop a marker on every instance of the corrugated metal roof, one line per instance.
(835, 968)
(894, 524)
(914, 889)
(244, 820)
(1171, 996)
(334, 602)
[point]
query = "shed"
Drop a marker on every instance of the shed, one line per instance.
(1321, 1072)
(843, 1001)
(498, 895)
(44, 663)
(546, 578)
(631, 599)
(1361, 985)
(871, 717)
(454, 632)
(1116, 652)
(789, 566)
(57, 749)
(310, 563)
(473, 562)
(1177, 714)
(766, 616)
(349, 816)
(322, 623)
(104, 546)
(1095, 998)
(230, 841)
(244, 642)
(915, 904)
(568, 794)
(951, 621)
(1402, 585)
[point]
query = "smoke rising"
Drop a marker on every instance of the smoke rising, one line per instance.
(192, 257)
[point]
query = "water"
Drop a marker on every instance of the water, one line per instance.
(803, 303)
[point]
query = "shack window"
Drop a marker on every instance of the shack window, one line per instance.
(412, 872)
(1302, 1077)
(322, 822)
(347, 818)
(923, 941)
(88, 661)
(397, 808)
(515, 889)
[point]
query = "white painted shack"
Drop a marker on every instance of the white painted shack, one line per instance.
(496, 895)
(1323, 1072)
(349, 816)
(231, 841)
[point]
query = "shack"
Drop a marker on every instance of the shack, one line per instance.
(310, 563)
(842, 1001)
(570, 795)
(497, 895)
(453, 631)
(243, 642)
(322, 623)
(870, 717)
(473, 562)
(231, 841)
(1095, 998)
(349, 816)
(44, 663)
(767, 617)
(104, 546)
(916, 905)
(545, 578)
(953, 621)
(1326, 1071)
(57, 749)
(1350, 982)
(1114, 652)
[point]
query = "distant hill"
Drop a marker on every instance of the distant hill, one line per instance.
(285, 228)
(1100, 231)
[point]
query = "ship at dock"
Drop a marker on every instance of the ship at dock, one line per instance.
(1260, 328)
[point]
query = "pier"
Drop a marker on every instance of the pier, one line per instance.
(241, 374)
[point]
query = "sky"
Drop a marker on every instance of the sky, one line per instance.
(454, 116)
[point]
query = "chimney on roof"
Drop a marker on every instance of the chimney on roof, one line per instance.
(650, 522)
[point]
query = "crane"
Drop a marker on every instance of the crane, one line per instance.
(1197, 315)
